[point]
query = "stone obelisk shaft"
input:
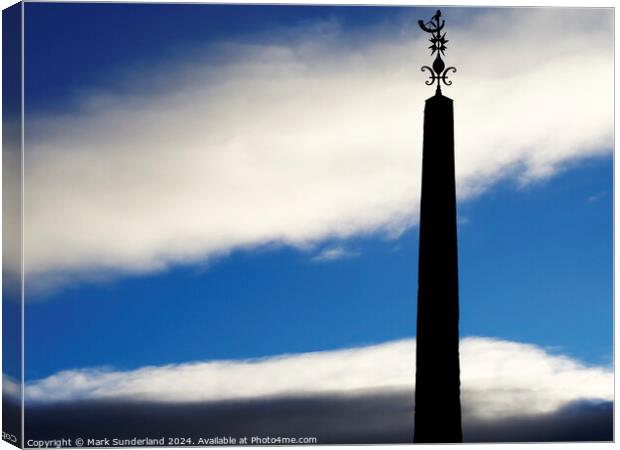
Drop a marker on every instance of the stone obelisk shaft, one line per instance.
(437, 394)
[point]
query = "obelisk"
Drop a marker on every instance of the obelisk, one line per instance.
(437, 391)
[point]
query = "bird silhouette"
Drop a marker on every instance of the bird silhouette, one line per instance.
(435, 18)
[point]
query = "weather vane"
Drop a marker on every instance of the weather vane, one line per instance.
(439, 72)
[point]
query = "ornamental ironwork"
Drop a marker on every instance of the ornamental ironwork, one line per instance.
(439, 71)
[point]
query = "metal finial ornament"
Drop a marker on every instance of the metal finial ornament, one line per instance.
(439, 72)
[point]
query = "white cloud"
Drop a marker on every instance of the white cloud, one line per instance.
(334, 253)
(313, 137)
(499, 378)
(11, 387)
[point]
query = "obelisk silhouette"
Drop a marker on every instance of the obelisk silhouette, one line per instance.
(437, 392)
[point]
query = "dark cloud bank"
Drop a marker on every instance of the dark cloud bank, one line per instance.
(364, 419)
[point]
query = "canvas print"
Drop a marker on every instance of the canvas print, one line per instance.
(252, 224)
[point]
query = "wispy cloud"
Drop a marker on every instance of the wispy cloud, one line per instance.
(335, 253)
(499, 378)
(315, 137)
(596, 197)
(461, 220)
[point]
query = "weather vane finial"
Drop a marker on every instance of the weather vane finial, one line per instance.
(439, 72)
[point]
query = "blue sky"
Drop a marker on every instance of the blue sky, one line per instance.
(535, 233)
(114, 38)
(535, 267)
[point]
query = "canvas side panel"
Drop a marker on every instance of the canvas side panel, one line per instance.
(12, 224)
